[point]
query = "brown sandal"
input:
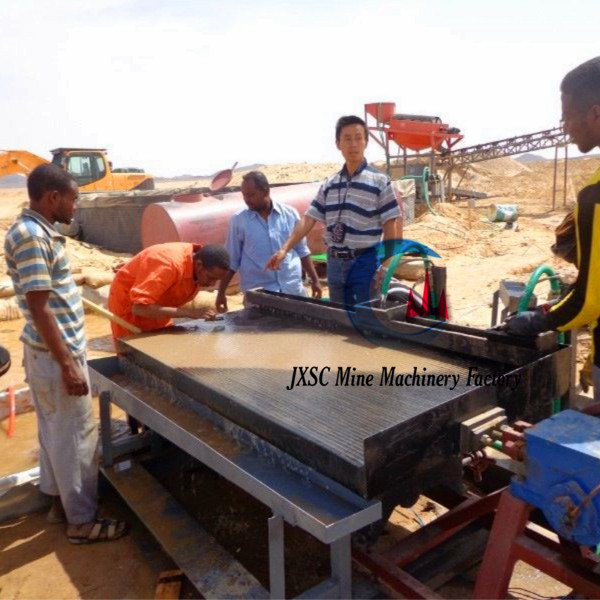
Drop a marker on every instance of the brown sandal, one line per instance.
(103, 530)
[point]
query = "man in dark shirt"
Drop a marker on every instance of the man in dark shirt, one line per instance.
(581, 121)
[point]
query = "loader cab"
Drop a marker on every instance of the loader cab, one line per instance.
(86, 165)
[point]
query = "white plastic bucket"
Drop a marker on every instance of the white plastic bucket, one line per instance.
(507, 213)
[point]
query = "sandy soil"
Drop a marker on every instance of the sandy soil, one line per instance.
(39, 562)
(477, 254)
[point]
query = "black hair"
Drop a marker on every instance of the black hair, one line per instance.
(582, 84)
(259, 179)
(349, 120)
(213, 256)
(48, 178)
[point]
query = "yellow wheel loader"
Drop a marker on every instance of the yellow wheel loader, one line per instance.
(89, 166)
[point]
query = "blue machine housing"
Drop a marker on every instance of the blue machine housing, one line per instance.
(563, 467)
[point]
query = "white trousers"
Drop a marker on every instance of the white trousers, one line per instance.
(68, 437)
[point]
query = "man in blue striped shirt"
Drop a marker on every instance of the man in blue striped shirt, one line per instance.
(359, 208)
(54, 356)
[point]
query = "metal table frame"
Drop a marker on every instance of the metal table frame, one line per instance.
(298, 495)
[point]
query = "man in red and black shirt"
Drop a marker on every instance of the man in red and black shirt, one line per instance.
(581, 121)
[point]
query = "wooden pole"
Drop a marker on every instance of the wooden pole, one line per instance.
(106, 313)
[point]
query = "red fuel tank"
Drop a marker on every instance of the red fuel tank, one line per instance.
(207, 221)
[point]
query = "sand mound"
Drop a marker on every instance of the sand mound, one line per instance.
(287, 173)
(534, 181)
(500, 167)
(456, 230)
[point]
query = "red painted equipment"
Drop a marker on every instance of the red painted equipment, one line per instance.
(390, 566)
(221, 179)
(207, 221)
(511, 538)
(192, 196)
(511, 541)
(412, 132)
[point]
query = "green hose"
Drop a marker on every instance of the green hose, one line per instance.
(524, 305)
(385, 284)
(534, 280)
(424, 187)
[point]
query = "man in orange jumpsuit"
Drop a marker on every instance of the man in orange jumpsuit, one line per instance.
(151, 289)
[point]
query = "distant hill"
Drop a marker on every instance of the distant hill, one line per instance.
(181, 177)
(13, 181)
(529, 158)
(19, 181)
(191, 177)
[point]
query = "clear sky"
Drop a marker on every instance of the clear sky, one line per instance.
(190, 86)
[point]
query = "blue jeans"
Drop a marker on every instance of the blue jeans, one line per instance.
(349, 280)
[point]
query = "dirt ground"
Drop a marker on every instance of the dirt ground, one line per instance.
(36, 559)
(39, 562)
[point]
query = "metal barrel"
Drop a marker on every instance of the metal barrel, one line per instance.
(506, 213)
(207, 222)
